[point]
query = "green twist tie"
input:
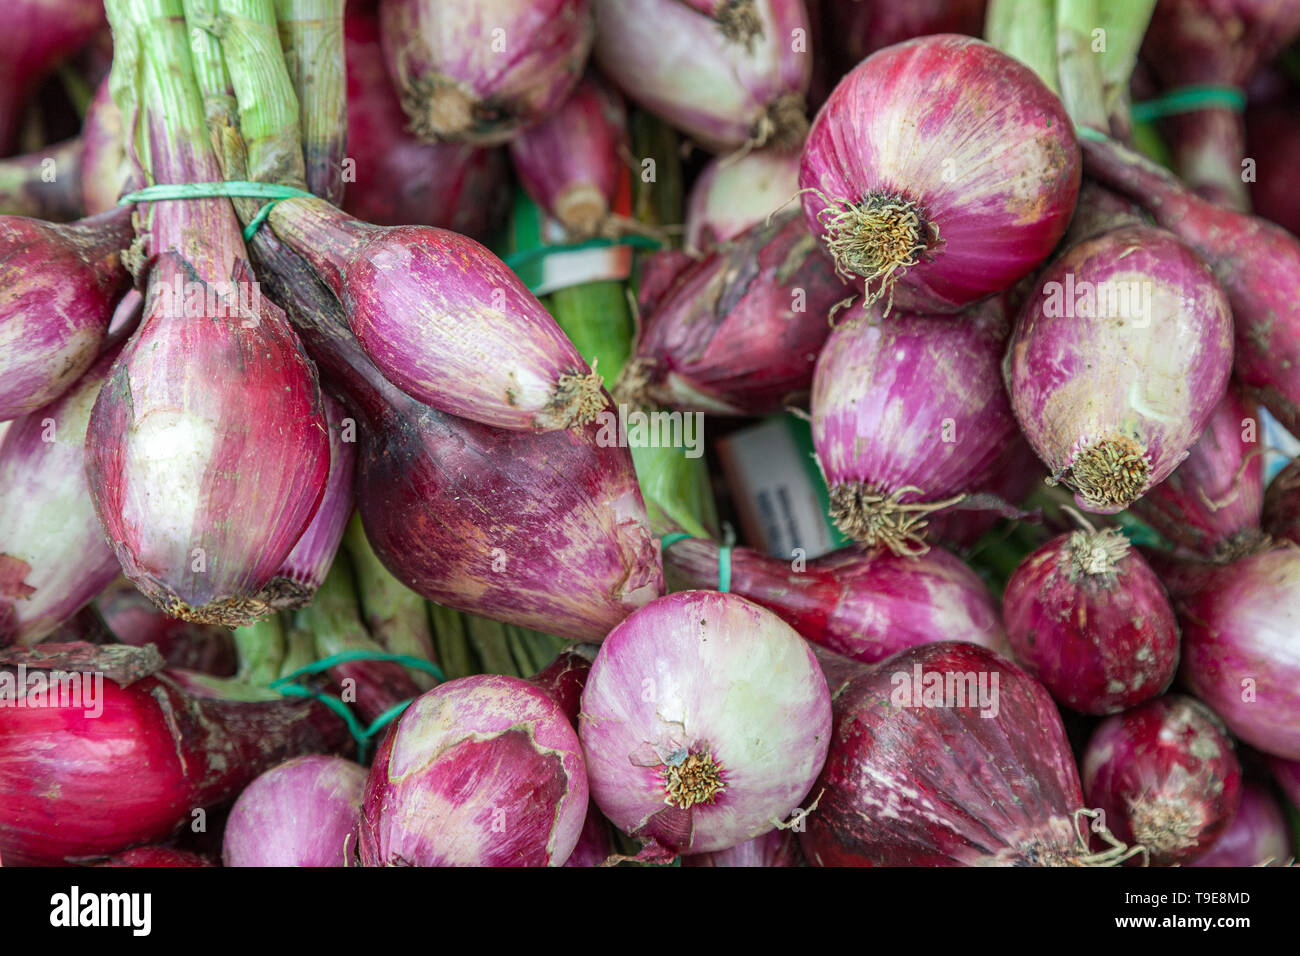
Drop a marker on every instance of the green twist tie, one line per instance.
(232, 189)
(1189, 99)
(724, 557)
(1087, 132)
(523, 257)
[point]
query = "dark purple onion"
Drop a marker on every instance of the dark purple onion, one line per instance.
(1258, 834)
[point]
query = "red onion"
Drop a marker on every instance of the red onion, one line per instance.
(1241, 646)
(1281, 516)
(724, 87)
(906, 414)
(398, 178)
(53, 558)
(479, 72)
(946, 755)
(1272, 138)
(129, 756)
(1117, 363)
(155, 856)
(704, 721)
(732, 194)
(1165, 776)
(1258, 834)
(863, 604)
(739, 333)
(1087, 616)
(62, 284)
(445, 320)
(858, 28)
(133, 619)
(940, 171)
(480, 771)
(45, 184)
(774, 848)
(1257, 263)
(105, 173)
(302, 813)
(1212, 502)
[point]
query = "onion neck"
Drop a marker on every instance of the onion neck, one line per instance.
(312, 34)
(321, 234)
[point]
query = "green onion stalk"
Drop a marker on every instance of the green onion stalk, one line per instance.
(311, 35)
(261, 647)
(451, 639)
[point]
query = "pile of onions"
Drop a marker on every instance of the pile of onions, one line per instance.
(480, 771)
(704, 721)
(1258, 834)
(1165, 776)
(939, 171)
(863, 604)
(731, 194)
(302, 813)
(1137, 335)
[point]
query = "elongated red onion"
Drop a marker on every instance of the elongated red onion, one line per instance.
(1258, 834)
(1281, 516)
(940, 171)
(154, 856)
(1211, 504)
(731, 195)
(774, 848)
(479, 72)
(62, 284)
(134, 619)
(567, 548)
(105, 173)
(724, 91)
(302, 813)
(1272, 137)
(1166, 777)
(704, 721)
(127, 756)
(400, 179)
(946, 755)
(908, 413)
(863, 604)
(1087, 616)
(1117, 363)
(53, 557)
(445, 320)
(739, 333)
(1256, 262)
(480, 771)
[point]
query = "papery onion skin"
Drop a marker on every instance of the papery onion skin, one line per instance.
(1165, 775)
(1258, 834)
(705, 718)
(912, 785)
(1088, 617)
(861, 603)
(305, 812)
(154, 856)
(480, 771)
(723, 93)
(1281, 517)
(731, 194)
(774, 848)
(939, 172)
(1112, 402)
(479, 72)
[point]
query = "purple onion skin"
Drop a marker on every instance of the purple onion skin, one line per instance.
(1212, 503)
(719, 91)
(910, 402)
(1139, 388)
(1166, 777)
(1241, 647)
(739, 333)
(774, 848)
(861, 27)
(1258, 834)
(860, 603)
(445, 320)
(302, 813)
(53, 557)
(480, 771)
(399, 178)
(596, 843)
(62, 284)
(105, 173)
(732, 194)
(942, 785)
(915, 124)
(1281, 517)
(480, 72)
(1089, 618)
(719, 687)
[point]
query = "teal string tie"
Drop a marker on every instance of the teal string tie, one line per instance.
(231, 189)
(724, 557)
(1087, 132)
(1189, 99)
(523, 257)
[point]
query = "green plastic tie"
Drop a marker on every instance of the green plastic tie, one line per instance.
(523, 257)
(1087, 132)
(231, 189)
(1189, 99)
(724, 557)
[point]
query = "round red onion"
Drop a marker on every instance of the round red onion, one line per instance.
(1117, 363)
(946, 755)
(480, 771)
(1258, 834)
(1281, 516)
(1165, 776)
(155, 856)
(906, 414)
(730, 195)
(479, 72)
(1087, 616)
(725, 81)
(863, 604)
(302, 813)
(939, 171)
(704, 721)
(774, 848)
